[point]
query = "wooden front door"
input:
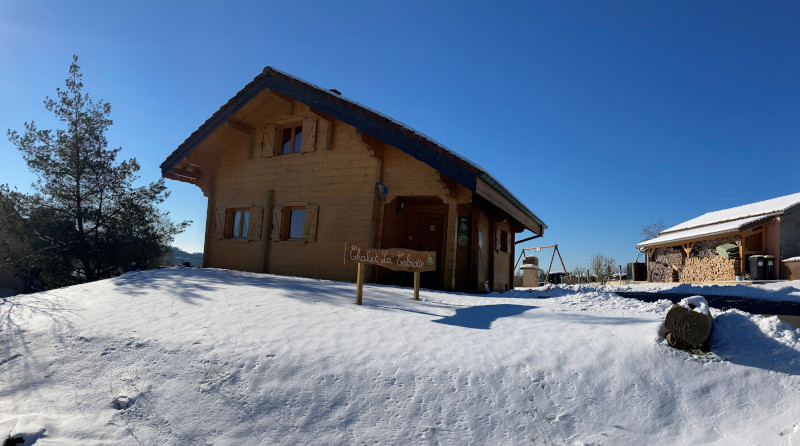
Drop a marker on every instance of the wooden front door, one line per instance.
(430, 237)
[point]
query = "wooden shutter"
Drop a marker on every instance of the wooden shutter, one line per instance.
(269, 141)
(324, 135)
(310, 233)
(309, 134)
(255, 223)
(497, 239)
(219, 223)
(277, 219)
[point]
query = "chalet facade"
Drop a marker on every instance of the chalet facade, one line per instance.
(688, 252)
(292, 171)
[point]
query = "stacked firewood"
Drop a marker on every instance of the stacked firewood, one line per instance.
(714, 268)
(662, 265)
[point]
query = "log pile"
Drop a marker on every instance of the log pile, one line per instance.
(661, 266)
(686, 328)
(714, 268)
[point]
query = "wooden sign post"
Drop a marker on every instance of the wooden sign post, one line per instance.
(395, 259)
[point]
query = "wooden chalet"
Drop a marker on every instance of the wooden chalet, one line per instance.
(688, 252)
(292, 171)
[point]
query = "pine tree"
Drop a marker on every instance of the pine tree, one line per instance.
(86, 212)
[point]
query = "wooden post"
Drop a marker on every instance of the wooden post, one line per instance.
(416, 285)
(359, 282)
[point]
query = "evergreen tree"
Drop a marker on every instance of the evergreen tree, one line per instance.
(86, 213)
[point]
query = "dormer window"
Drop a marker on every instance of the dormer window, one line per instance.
(291, 138)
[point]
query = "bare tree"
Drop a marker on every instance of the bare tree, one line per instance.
(517, 278)
(652, 230)
(578, 275)
(602, 267)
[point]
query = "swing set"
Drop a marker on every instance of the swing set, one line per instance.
(539, 249)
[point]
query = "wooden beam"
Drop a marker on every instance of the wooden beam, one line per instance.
(240, 127)
(186, 173)
(740, 242)
(693, 240)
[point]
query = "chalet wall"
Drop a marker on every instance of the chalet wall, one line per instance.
(341, 181)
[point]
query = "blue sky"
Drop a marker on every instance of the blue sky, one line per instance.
(602, 117)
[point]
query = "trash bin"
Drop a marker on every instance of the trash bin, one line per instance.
(757, 267)
(769, 267)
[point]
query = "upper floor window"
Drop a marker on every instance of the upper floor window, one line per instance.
(291, 138)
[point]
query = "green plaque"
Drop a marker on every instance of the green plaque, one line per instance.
(463, 225)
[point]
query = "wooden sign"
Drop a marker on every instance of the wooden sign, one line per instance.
(393, 258)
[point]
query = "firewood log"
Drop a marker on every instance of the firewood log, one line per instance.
(693, 328)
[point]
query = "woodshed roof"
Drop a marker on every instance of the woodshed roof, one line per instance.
(725, 221)
(415, 143)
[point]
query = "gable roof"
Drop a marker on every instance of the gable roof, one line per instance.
(725, 221)
(393, 132)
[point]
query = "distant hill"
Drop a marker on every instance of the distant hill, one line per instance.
(179, 256)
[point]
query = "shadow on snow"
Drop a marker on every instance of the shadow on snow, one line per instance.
(741, 341)
(481, 316)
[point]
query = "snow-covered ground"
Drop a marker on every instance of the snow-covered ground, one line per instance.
(224, 357)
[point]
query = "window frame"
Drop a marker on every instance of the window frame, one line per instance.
(296, 143)
(286, 224)
(503, 241)
(244, 223)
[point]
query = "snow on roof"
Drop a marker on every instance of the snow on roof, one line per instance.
(767, 207)
(721, 228)
(725, 220)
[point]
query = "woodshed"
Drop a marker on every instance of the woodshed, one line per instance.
(717, 246)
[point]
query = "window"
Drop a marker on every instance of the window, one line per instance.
(291, 138)
(294, 223)
(503, 241)
(295, 137)
(240, 222)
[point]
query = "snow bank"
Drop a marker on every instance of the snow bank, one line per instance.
(223, 357)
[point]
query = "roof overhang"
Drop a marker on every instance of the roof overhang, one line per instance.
(719, 230)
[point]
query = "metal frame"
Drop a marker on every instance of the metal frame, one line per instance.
(539, 249)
